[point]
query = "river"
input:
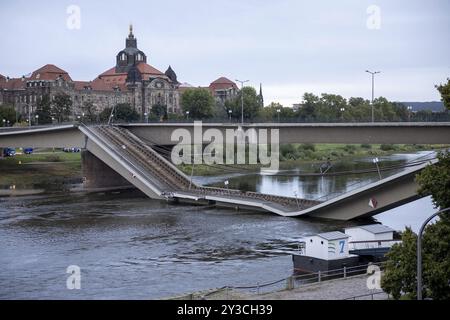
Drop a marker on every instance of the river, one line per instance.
(131, 247)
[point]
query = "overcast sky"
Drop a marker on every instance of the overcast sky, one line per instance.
(291, 47)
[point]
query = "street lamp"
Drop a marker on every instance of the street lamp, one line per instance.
(229, 113)
(278, 112)
(419, 252)
(146, 117)
(4, 122)
(242, 98)
(29, 115)
(409, 112)
(342, 114)
(37, 119)
(373, 86)
(187, 115)
(375, 160)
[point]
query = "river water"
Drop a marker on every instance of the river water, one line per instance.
(131, 247)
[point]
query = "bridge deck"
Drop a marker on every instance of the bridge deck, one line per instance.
(172, 183)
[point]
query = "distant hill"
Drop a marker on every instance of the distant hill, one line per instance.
(435, 106)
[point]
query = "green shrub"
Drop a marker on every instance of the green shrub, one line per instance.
(366, 146)
(350, 148)
(387, 147)
(307, 146)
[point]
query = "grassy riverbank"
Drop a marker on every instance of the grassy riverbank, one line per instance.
(46, 166)
(42, 167)
(293, 155)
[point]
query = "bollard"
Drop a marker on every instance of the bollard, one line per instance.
(319, 276)
(345, 272)
(290, 283)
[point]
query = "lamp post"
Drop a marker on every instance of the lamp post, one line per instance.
(278, 113)
(4, 122)
(187, 115)
(375, 160)
(229, 114)
(242, 98)
(29, 115)
(373, 87)
(419, 252)
(146, 117)
(37, 119)
(409, 112)
(342, 114)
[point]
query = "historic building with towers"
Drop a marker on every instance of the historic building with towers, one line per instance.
(132, 80)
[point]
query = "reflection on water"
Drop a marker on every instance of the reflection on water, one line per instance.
(129, 246)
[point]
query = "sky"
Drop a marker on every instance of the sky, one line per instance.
(290, 46)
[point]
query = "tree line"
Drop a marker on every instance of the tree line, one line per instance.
(199, 104)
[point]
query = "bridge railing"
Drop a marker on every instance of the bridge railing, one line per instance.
(308, 278)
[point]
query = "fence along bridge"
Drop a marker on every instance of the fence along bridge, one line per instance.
(158, 178)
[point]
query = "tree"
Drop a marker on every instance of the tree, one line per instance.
(8, 113)
(62, 106)
(44, 110)
(434, 180)
(198, 102)
(252, 104)
(401, 267)
(90, 112)
(444, 90)
(309, 106)
(400, 273)
(271, 113)
(123, 112)
(159, 112)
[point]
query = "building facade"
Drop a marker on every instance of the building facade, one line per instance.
(132, 80)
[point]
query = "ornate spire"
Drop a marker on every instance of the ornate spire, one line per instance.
(261, 98)
(131, 41)
(131, 31)
(171, 75)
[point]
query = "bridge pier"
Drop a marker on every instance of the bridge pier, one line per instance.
(98, 175)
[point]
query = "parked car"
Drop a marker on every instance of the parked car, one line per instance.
(9, 152)
(28, 150)
(73, 149)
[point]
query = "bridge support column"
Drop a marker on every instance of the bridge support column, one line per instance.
(98, 175)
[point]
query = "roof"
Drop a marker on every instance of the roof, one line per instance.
(376, 228)
(100, 84)
(223, 80)
(334, 235)
(111, 72)
(13, 84)
(49, 72)
(222, 83)
(118, 78)
(147, 69)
